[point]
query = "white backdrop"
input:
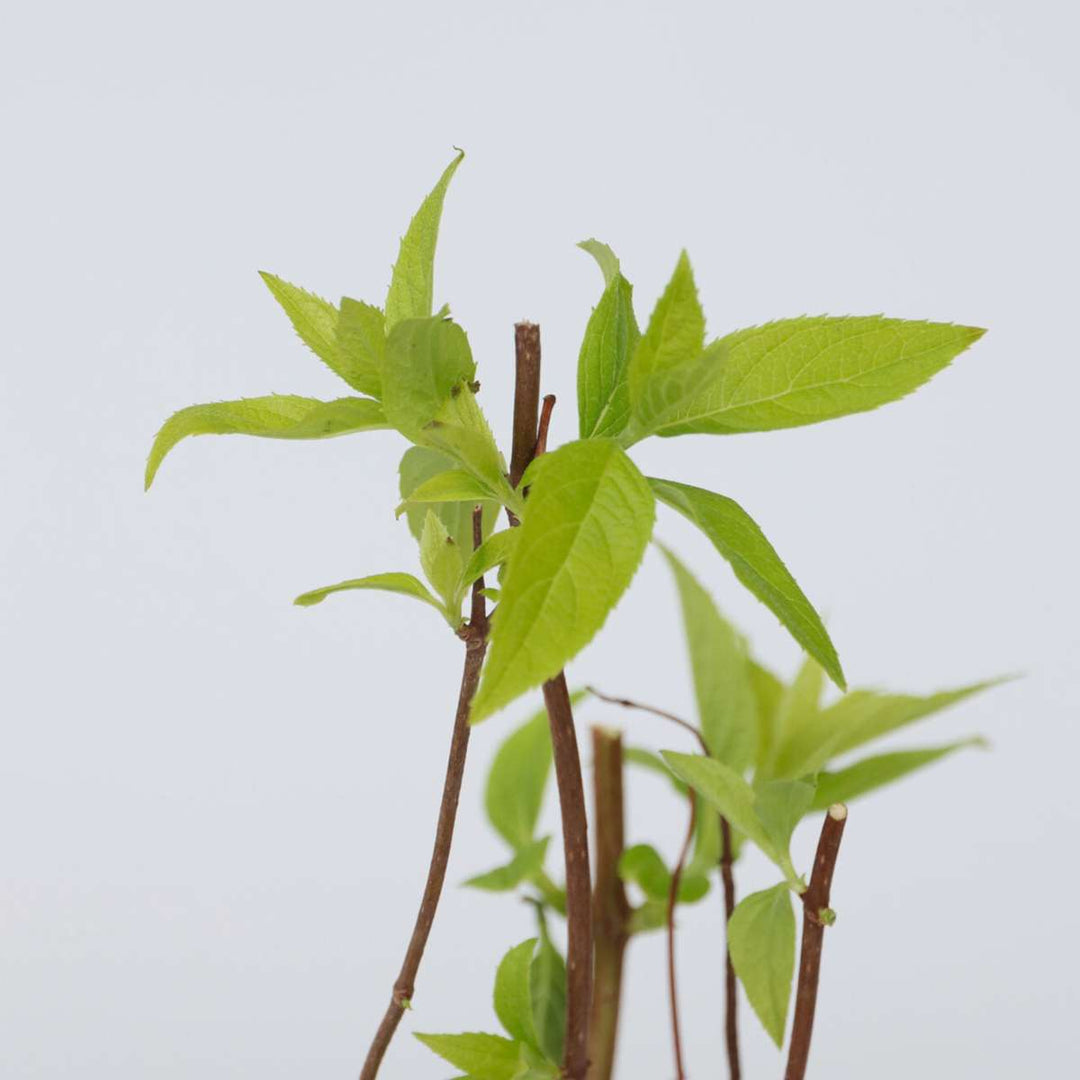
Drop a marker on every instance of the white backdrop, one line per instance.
(217, 808)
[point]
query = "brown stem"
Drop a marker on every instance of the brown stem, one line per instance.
(731, 987)
(731, 1019)
(545, 422)
(526, 397)
(816, 916)
(673, 899)
(579, 949)
(474, 634)
(611, 909)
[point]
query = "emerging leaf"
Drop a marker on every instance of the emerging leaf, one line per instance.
(666, 368)
(513, 995)
(495, 551)
(427, 360)
(611, 336)
(805, 370)
(725, 696)
(874, 772)
(590, 515)
(278, 416)
(413, 280)
(361, 346)
(405, 584)
(454, 485)
(482, 1056)
(756, 564)
(420, 464)
(761, 941)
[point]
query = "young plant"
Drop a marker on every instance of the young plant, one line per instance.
(579, 517)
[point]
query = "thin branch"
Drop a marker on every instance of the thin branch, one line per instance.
(611, 909)
(542, 429)
(731, 1014)
(527, 439)
(474, 634)
(816, 916)
(731, 987)
(673, 899)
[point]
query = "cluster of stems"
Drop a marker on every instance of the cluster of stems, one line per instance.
(598, 919)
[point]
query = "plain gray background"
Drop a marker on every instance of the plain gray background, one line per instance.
(217, 808)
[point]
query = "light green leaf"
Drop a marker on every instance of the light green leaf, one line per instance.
(780, 805)
(517, 779)
(527, 862)
(611, 337)
(796, 708)
(641, 865)
(513, 996)
(805, 370)
(483, 1057)
(637, 755)
(442, 561)
(495, 551)
(725, 695)
(361, 345)
(649, 916)
(725, 790)
(420, 464)
(605, 258)
(412, 285)
(768, 692)
(454, 485)
(277, 416)
(756, 564)
(427, 361)
(761, 941)
(666, 368)
(858, 718)
(405, 584)
(874, 772)
(590, 515)
(316, 322)
(547, 985)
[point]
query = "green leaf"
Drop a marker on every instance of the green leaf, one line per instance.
(805, 370)
(454, 485)
(780, 805)
(277, 416)
(442, 561)
(858, 718)
(495, 551)
(605, 258)
(412, 284)
(874, 772)
(405, 584)
(666, 368)
(768, 692)
(590, 515)
(316, 322)
(547, 985)
(797, 707)
(513, 996)
(527, 862)
(483, 1057)
(427, 361)
(761, 941)
(756, 564)
(517, 779)
(725, 696)
(649, 916)
(762, 818)
(361, 345)
(420, 464)
(641, 865)
(636, 755)
(611, 336)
